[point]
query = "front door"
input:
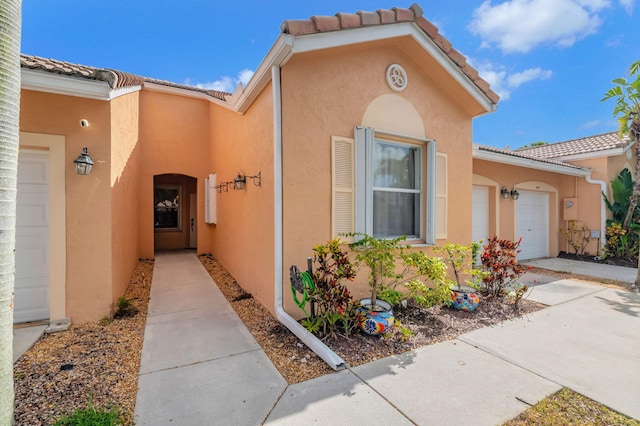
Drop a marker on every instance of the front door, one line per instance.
(532, 217)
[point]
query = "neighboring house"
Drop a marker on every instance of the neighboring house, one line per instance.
(354, 122)
(556, 183)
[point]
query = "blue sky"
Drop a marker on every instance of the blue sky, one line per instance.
(550, 60)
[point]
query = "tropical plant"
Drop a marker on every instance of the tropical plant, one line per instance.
(392, 264)
(334, 307)
(621, 191)
(499, 260)
(10, 20)
(626, 93)
(461, 258)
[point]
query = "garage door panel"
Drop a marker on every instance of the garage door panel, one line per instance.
(32, 238)
(34, 212)
(532, 215)
(480, 209)
(33, 169)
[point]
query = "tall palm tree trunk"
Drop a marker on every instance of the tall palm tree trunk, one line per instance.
(10, 23)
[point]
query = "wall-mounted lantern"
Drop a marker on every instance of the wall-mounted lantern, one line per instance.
(84, 162)
(515, 194)
(504, 192)
(239, 181)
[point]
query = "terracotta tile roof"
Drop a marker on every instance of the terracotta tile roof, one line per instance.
(596, 143)
(116, 79)
(520, 154)
(346, 21)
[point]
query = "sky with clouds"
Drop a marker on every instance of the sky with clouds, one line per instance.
(551, 61)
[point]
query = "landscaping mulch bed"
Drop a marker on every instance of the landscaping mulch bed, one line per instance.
(98, 362)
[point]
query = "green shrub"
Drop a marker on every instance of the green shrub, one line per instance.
(91, 416)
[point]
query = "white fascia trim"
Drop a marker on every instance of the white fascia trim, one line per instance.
(311, 42)
(116, 93)
(41, 81)
(279, 54)
(531, 164)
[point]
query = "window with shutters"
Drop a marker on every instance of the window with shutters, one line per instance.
(389, 185)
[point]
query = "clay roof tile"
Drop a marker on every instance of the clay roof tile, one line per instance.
(349, 20)
(369, 18)
(326, 23)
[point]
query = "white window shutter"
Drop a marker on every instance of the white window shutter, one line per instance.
(342, 183)
(441, 196)
(210, 199)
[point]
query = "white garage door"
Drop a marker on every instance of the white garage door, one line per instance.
(532, 219)
(32, 238)
(480, 209)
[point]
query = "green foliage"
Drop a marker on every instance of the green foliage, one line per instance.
(626, 94)
(534, 144)
(335, 308)
(461, 258)
(621, 189)
(621, 243)
(577, 237)
(392, 265)
(90, 416)
(124, 308)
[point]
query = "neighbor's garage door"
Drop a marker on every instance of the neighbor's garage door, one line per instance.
(32, 238)
(480, 209)
(532, 219)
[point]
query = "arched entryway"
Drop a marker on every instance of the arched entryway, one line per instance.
(174, 212)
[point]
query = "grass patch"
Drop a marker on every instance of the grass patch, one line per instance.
(567, 407)
(91, 416)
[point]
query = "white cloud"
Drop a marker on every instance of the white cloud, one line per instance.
(590, 124)
(225, 83)
(627, 5)
(522, 25)
(503, 83)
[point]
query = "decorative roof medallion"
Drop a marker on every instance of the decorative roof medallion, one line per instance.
(396, 77)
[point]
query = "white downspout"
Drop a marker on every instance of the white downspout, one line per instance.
(307, 338)
(603, 208)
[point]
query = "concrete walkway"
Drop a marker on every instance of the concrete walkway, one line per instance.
(201, 366)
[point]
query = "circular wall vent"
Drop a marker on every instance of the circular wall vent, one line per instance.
(396, 77)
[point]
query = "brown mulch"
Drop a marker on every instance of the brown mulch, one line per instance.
(95, 362)
(99, 361)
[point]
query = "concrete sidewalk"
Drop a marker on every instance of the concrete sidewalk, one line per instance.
(201, 366)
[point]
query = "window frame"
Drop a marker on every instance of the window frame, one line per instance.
(169, 186)
(365, 141)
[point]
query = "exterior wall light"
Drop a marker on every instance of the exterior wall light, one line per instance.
(515, 194)
(84, 162)
(239, 181)
(504, 192)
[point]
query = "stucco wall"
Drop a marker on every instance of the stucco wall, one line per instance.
(125, 163)
(88, 261)
(174, 138)
(243, 238)
(326, 94)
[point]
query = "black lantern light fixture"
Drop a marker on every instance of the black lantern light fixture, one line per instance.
(239, 181)
(515, 194)
(504, 192)
(84, 162)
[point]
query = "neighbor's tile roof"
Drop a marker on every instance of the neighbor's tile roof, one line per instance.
(596, 143)
(526, 156)
(346, 21)
(115, 79)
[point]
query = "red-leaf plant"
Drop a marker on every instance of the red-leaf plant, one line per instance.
(501, 265)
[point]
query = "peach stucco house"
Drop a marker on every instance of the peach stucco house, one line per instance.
(333, 100)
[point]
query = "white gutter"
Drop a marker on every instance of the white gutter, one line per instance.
(307, 338)
(603, 207)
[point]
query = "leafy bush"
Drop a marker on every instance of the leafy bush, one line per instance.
(501, 267)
